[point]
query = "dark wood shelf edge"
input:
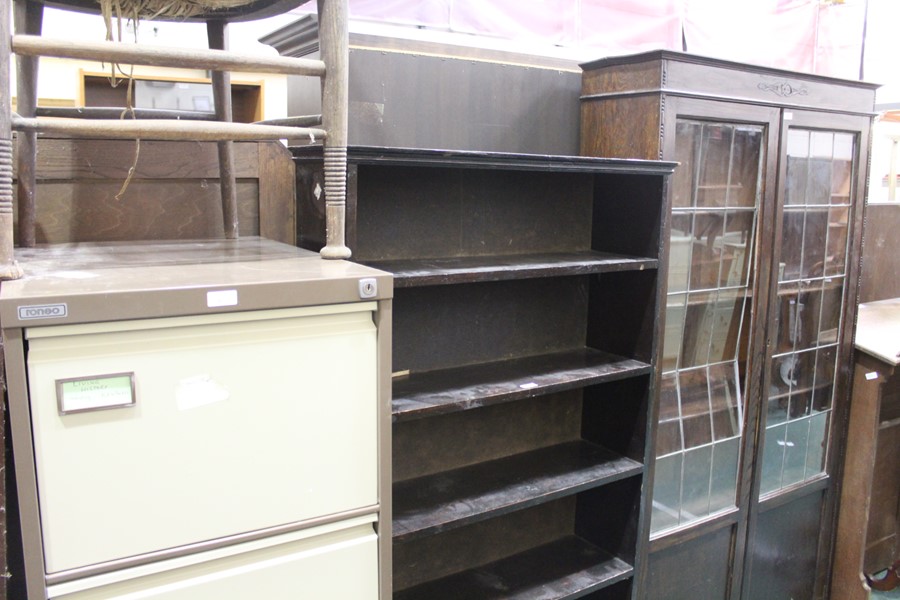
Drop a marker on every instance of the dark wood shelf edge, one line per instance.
(432, 393)
(419, 157)
(566, 568)
(435, 503)
(443, 271)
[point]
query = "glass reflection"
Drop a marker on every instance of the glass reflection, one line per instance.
(818, 440)
(724, 395)
(687, 134)
(695, 408)
(680, 245)
(716, 192)
(836, 255)
(806, 319)
(669, 431)
(825, 364)
(695, 483)
(675, 311)
(796, 441)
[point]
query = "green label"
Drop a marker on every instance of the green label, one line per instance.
(93, 393)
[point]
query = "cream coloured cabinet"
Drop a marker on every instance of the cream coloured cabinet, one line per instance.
(199, 420)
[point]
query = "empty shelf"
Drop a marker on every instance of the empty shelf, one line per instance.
(462, 388)
(435, 503)
(440, 271)
(566, 568)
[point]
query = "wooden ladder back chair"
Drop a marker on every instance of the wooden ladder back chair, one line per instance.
(25, 42)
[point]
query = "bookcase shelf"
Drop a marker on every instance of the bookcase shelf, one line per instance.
(442, 271)
(462, 388)
(434, 503)
(568, 567)
(525, 333)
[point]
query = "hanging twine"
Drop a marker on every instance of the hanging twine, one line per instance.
(171, 9)
(116, 11)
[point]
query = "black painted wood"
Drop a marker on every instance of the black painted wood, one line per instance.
(442, 271)
(447, 326)
(449, 390)
(504, 265)
(565, 568)
(490, 160)
(443, 501)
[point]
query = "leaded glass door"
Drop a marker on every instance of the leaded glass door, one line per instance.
(714, 226)
(815, 265)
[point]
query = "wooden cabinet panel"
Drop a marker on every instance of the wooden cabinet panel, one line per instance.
(765, 235)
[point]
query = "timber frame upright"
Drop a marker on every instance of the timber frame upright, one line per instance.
(330, 128)
(24, 41)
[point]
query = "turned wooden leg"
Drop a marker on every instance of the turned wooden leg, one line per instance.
(221, 82)
(334, 47)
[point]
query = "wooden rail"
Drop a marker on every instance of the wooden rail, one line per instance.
(163, 129)
(160, 56)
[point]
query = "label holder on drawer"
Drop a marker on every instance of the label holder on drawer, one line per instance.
(95, 392)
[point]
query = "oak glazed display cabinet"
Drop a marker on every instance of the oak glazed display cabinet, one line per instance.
(766, 228)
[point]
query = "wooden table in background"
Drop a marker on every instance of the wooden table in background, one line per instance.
(867, 538)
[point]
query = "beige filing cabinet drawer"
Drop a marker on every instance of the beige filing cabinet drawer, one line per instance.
(240, 422)
(334, 562)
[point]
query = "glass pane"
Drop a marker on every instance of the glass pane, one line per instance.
(697, 324)
(736, 249)
(779, 391)
(668, 397)
(818, 184)
(795, 445)
(666, 492)
(786, 324)
(803, 315)
(695, 483)
(708, 230)
(725, 325)
(716, 195)
(835, 258)
(687, 144)
(745, 173)
(815, 455)
(841, 173)
(829, 310)
(695, 412)
(791, 245)
(680, 245)
(723, 393)
(814, 239)
(675, 307)
(821, 144)
(806, 319)
(824, 382)
(773, 458)
(668, 437)
(803, 374)
(715, 170)
(797, 166)
(723, 487)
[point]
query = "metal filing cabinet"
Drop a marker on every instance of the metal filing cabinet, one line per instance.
(200, 420)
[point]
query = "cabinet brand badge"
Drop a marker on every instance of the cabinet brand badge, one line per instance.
(43, 311)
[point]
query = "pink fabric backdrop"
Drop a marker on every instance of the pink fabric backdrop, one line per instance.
(817, 36)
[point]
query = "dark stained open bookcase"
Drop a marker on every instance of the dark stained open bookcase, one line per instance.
(524, 343)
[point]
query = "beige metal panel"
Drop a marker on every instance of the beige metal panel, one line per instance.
(144, 280)
(236, 427)
(336, 562)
